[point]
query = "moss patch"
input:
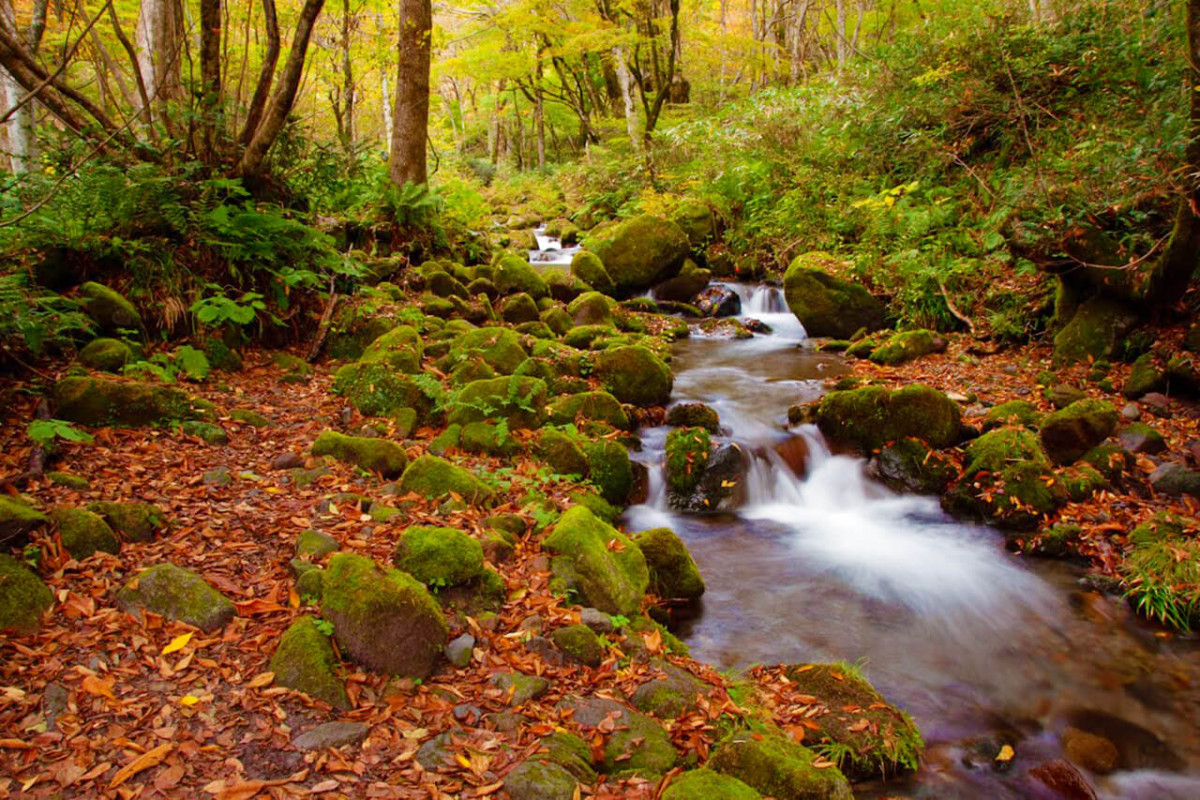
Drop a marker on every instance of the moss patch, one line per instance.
(439, 557)
(518, 400)
(399, 348)
(612, 579)
(907, 346)
(589, 406)
(673, 573)
(379, 455)
(99, 401)
(1068, 434)
(688, 450)
(84, 532)
(23, 597)
(176, 593)
(107, 355)
(872, 416)
(304, 661)
(776, 766)
(433, 477)
(137, 521)
(634, 375)
(705, 784)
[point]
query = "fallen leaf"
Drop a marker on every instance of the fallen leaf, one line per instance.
(92, 684)
(260, 680)
(1006, 754)
(177, 644)
(151, 758)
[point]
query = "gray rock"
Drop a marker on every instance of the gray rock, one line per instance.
(176, 593)
(1140, 438)
(331, 734)
(287, 461)
(597, 620)
(1157, 404)
(1131, 412)
(1175, 479)
(520, 688)
(54, 702)
(459, 651)
(540, 780)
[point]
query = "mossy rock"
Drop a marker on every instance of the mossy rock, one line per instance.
(520, 688)
(138, 522)
(248, 417)
(377, 390)
(825, 305)
(561, 453)
(1059, 541)
(1138, 437)
(1068, 434)
(351, 331)
(669, 693)
(557, 320)
(446, 440)
(305, 661)
(610, 470)
(443, 284)
(439, 557)
(473, 369)
(887, 745)
(1161, 570)
(206, 432)
(23, 597)
(67, 480)
(776, 766)
(640, 252)
(536, 329)
(84, 532)
(909, 466)
(177, 594)
(872, 416)
(564, 287)
(435, 478)
(638, 744)
(688, 450)
(696, 219)
(591, 308)
(315, 544)
(512, 274)
(107, 355)
(17, 521)
(634, 375)
(1082, 482)
(500, 348)
(1095, 331)
(588, 267)
(673, 573)
(400, 348)
(100, 401)
(1144, 377)
(518, 400)
(1018, 497)
(538, 778)
(705, 784)
(580, 644)
(587, 337)
(293, 365)
(1110, 460)
(378, 455)
(908, 346)
(1014, 412)
(487, 438)
(613, 580)
(520, 308)
(603, 509)
(108, 308)
(998, 448)
(221, 356)
(385, 620)
(694, 415)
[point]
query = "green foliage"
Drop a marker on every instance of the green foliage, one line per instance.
(193, 363)
(44, 432)
(325, 627)
(217, 310)
(34, 322)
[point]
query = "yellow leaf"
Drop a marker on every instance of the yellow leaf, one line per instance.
(463, 760)
(189, 700)
(1006, 753)
(177, 644)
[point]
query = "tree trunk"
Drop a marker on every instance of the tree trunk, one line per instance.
(262, 89)
(347, 79)
(22, 142)
(843, 45)
(410, 128)
(159, 39)
(539, 115)
(210, 77)
(387, 106)
(625, 78)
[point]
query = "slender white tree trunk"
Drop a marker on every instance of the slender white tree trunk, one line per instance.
(159, 41)
(22, 144)
(843, 46)
(387, 106)
(625, 78)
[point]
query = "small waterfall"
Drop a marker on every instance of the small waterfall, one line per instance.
(768, 305)
(550, 251)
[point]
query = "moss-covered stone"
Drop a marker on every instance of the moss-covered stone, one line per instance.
(1109, 460)
(673, 573)
(610, 470)
(221, 356)
(400, 348)
(178, 594)
(248, 417)
(473, 369)
(84, 532)
(704, 784)
(520, 688)
(512, 274)
(439, 557)
(292, 365)
(1017, 497)
(108, 355)
(520, 401)
(108, 308)
(315, 544)
(1138, 437)
(379, 455)
(500, 348)
(1068, 434)
(445, 440)
(889, 744)
(386, 621)
(587, 337)
(557, 320)
(206, 432)
(100, 401)
(825, 305)
(640, 252)
(588, 267)
(1144, 377)
(907, 346)
(1082, 482)
(66, 480)
(669, 692)
(17, 521)
(614, 579)
(23, 597)
(688, 450)
(311, 583)
(561, 453)
(1059, 541)
(697, 221)
(872, 416)
(539, 779)
(1095, 331)
(352, 329)
(634, 375)
(775, 766)
(637, 745)
(694, 415)
(519, 308)
(377, 390)
(591, 308)
(1014, 412)
(580, 644)
(443, 284)
(909, 466)
(434, 478)
(998, 448)
(304, 661)
(138, 522)
(487, 438)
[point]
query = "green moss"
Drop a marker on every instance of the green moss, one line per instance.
(23, 597)
(872, 416)
(613, 580)
(1110, 460)
(311, 582)
(539, 779)
(137, 521)
(634, 375)
(825, 305)
(704, 784)
(775, 766)
(248, 417)
(1070, 433)
(570, 752)
(445, 440)
(561, 453)
(1082, 482)
(1017, 497)
(640, 252)
(518, 400)
(178, 594)
(379, 455)
(906, 346)
(603, 509)
(354, 328)
(579, 643)
(377, 390)
(1094, 331)
(399, 348)
(205, 432)
(439, 557)
(1014, 412)
(909, 466)
(434, 478)
(18, 520)
(694, 415)
(291, 364)
(84, 532)
(591, 308)
(315, 545)
(520, 308)
(673, 573)
(688, 450)
(487, 438)
(108, 308)
(610, 470)
(1144, 378)
(996, 449)
(108, 355)
(557, 320)
(68, 481)
(304, 661)
(512, 274)
(1059, 541)
(221, 356)
(500, 348)
(585, 337)
(584, 406)
(100, 401)
(588, 267)
(1161, 570)
(386, 621)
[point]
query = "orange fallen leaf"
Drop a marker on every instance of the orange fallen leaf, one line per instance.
(99, 687)
(260, 680)
(151, 758)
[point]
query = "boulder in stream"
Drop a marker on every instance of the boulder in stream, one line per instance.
(640, 252)
(870, 417)
(825, 305)
(777, 766)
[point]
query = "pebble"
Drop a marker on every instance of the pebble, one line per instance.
(287, 461)
(1131, 412)
(331, 734)
(459, 651)
(1157, 404)
(597, 620)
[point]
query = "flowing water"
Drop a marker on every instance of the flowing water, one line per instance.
(550, 252)
(980, 646)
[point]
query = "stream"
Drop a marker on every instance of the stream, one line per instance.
(982, 647)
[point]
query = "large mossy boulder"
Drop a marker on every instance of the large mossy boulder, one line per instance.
(1007, 481)
(697, 221)
(610, 470)
(378, 455)
(592, 308)
(17, 521)
(562, 453)
(611, 578)
(1094, 332)
(434, 478)
(637, 743)
(634, 375)
(673, 572)
(512, 274)
(439, 557)
(108, 308)
(776, 766)
(705, 784)
(519, 400)
(84, 532)
(23, 597)
(378, 390)
(871, 416)
(907, 346)
(178, 594)
(1068, 434)
(100, 401)
(385, 620)
(305, 661)
(640, 252)
(106, 355)
(825, 305)
(500, 349)
(887, 744)
(400, 348)
(587, 267)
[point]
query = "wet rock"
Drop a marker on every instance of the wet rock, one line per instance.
(23, 597)
(1137, 747)
(1093, 753)
(331, 734)
(795, 453)
(690, 282)
(871, 416)
(637, 744)
(718, 301)
(825, 305)
(673, 573)
(610, 578)
(1063, 778)
(580, 644)
(669, 692)
(304, 661)
(460, 650)
(722, 485)
(178, 594)
(775, 766)
(1141, 438)
(696, 415)
(1068, 434)
(1175, 480)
